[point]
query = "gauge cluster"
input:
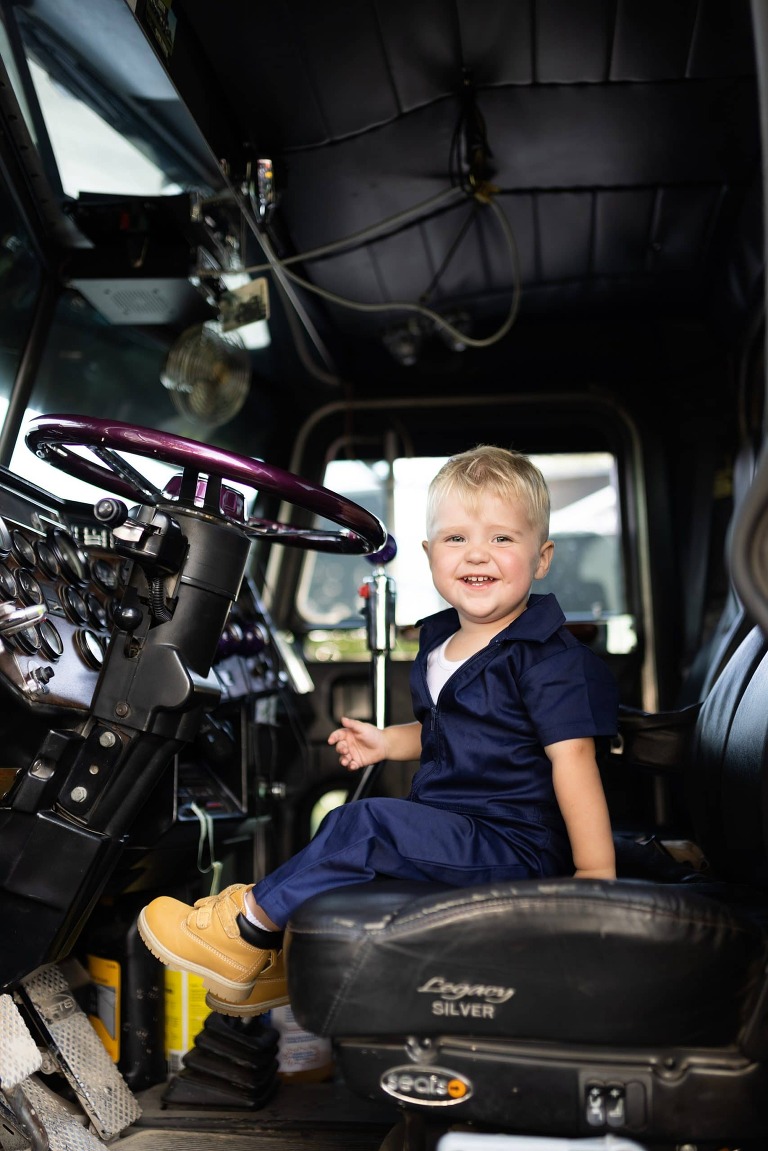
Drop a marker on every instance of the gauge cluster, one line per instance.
(59, 585)
(60, 582)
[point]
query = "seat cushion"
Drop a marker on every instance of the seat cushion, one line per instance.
(581, 961)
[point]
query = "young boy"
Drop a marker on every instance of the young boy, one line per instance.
(508, 706)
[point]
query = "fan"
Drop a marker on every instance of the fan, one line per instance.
(208, 374)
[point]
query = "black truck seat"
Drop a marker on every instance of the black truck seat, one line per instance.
(571, 1007)
(734, 622)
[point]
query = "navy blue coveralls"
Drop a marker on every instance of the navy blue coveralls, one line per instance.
(482, 805)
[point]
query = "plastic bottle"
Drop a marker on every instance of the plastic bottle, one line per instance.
(302, 1056)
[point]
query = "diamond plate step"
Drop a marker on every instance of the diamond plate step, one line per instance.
(65, 1129)
(19, 1056)
(79, 1053)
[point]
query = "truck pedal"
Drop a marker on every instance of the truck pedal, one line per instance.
(77, 1052)
(29, 1108)
(66, 1129)
(19, 1056)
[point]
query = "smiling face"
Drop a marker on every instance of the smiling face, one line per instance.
(484, 559)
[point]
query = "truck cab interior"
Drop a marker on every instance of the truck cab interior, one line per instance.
(262, 271)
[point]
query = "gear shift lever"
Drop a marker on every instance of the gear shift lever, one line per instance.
(378, 592)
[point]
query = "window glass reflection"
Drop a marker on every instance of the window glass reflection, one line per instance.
(90, 367)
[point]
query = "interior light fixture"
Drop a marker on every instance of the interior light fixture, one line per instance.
(405, 341)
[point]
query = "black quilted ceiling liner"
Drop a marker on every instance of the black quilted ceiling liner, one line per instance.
(556, 162)
(623, 137)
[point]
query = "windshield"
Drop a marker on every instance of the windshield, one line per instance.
(91, 155)
(134, 333)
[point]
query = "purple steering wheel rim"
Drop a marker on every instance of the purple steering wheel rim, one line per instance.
(361, 532)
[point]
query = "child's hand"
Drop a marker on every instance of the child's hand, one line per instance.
(358, 744)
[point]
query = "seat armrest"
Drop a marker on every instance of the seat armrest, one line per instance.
(656, 741)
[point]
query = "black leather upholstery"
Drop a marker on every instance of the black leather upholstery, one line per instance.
(565, 961)
(572, 988)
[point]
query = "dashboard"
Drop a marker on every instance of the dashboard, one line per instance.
(61, 584)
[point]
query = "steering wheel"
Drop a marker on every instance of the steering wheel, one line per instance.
(53, 437)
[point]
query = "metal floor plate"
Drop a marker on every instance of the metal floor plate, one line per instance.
(65, 1130)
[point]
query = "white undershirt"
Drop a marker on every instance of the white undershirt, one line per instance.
(440, 669)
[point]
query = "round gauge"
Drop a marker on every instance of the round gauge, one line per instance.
(28, 640)
(50, 640)
(74, 604)
(29, 589)
(91, 648)
(105, 575)
(46, 557)
(23, 548)
(7, 583)
(72, 559)
(97, 613)
(6, 543)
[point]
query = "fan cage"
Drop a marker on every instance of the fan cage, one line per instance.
(207, 374)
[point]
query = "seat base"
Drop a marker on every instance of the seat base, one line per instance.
(670, 1095)
(556, 1007)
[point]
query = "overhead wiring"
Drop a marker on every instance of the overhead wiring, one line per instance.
(362, 236)
(424, 310)
(469, 181)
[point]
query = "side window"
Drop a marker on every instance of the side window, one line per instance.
(587, 573)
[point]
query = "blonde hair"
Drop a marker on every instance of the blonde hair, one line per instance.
(498, 471)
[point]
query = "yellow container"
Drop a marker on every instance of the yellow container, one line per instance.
(105, 975)
(185, 1015)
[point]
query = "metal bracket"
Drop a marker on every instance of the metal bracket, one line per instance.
(31, 1116)
(78, 1052)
